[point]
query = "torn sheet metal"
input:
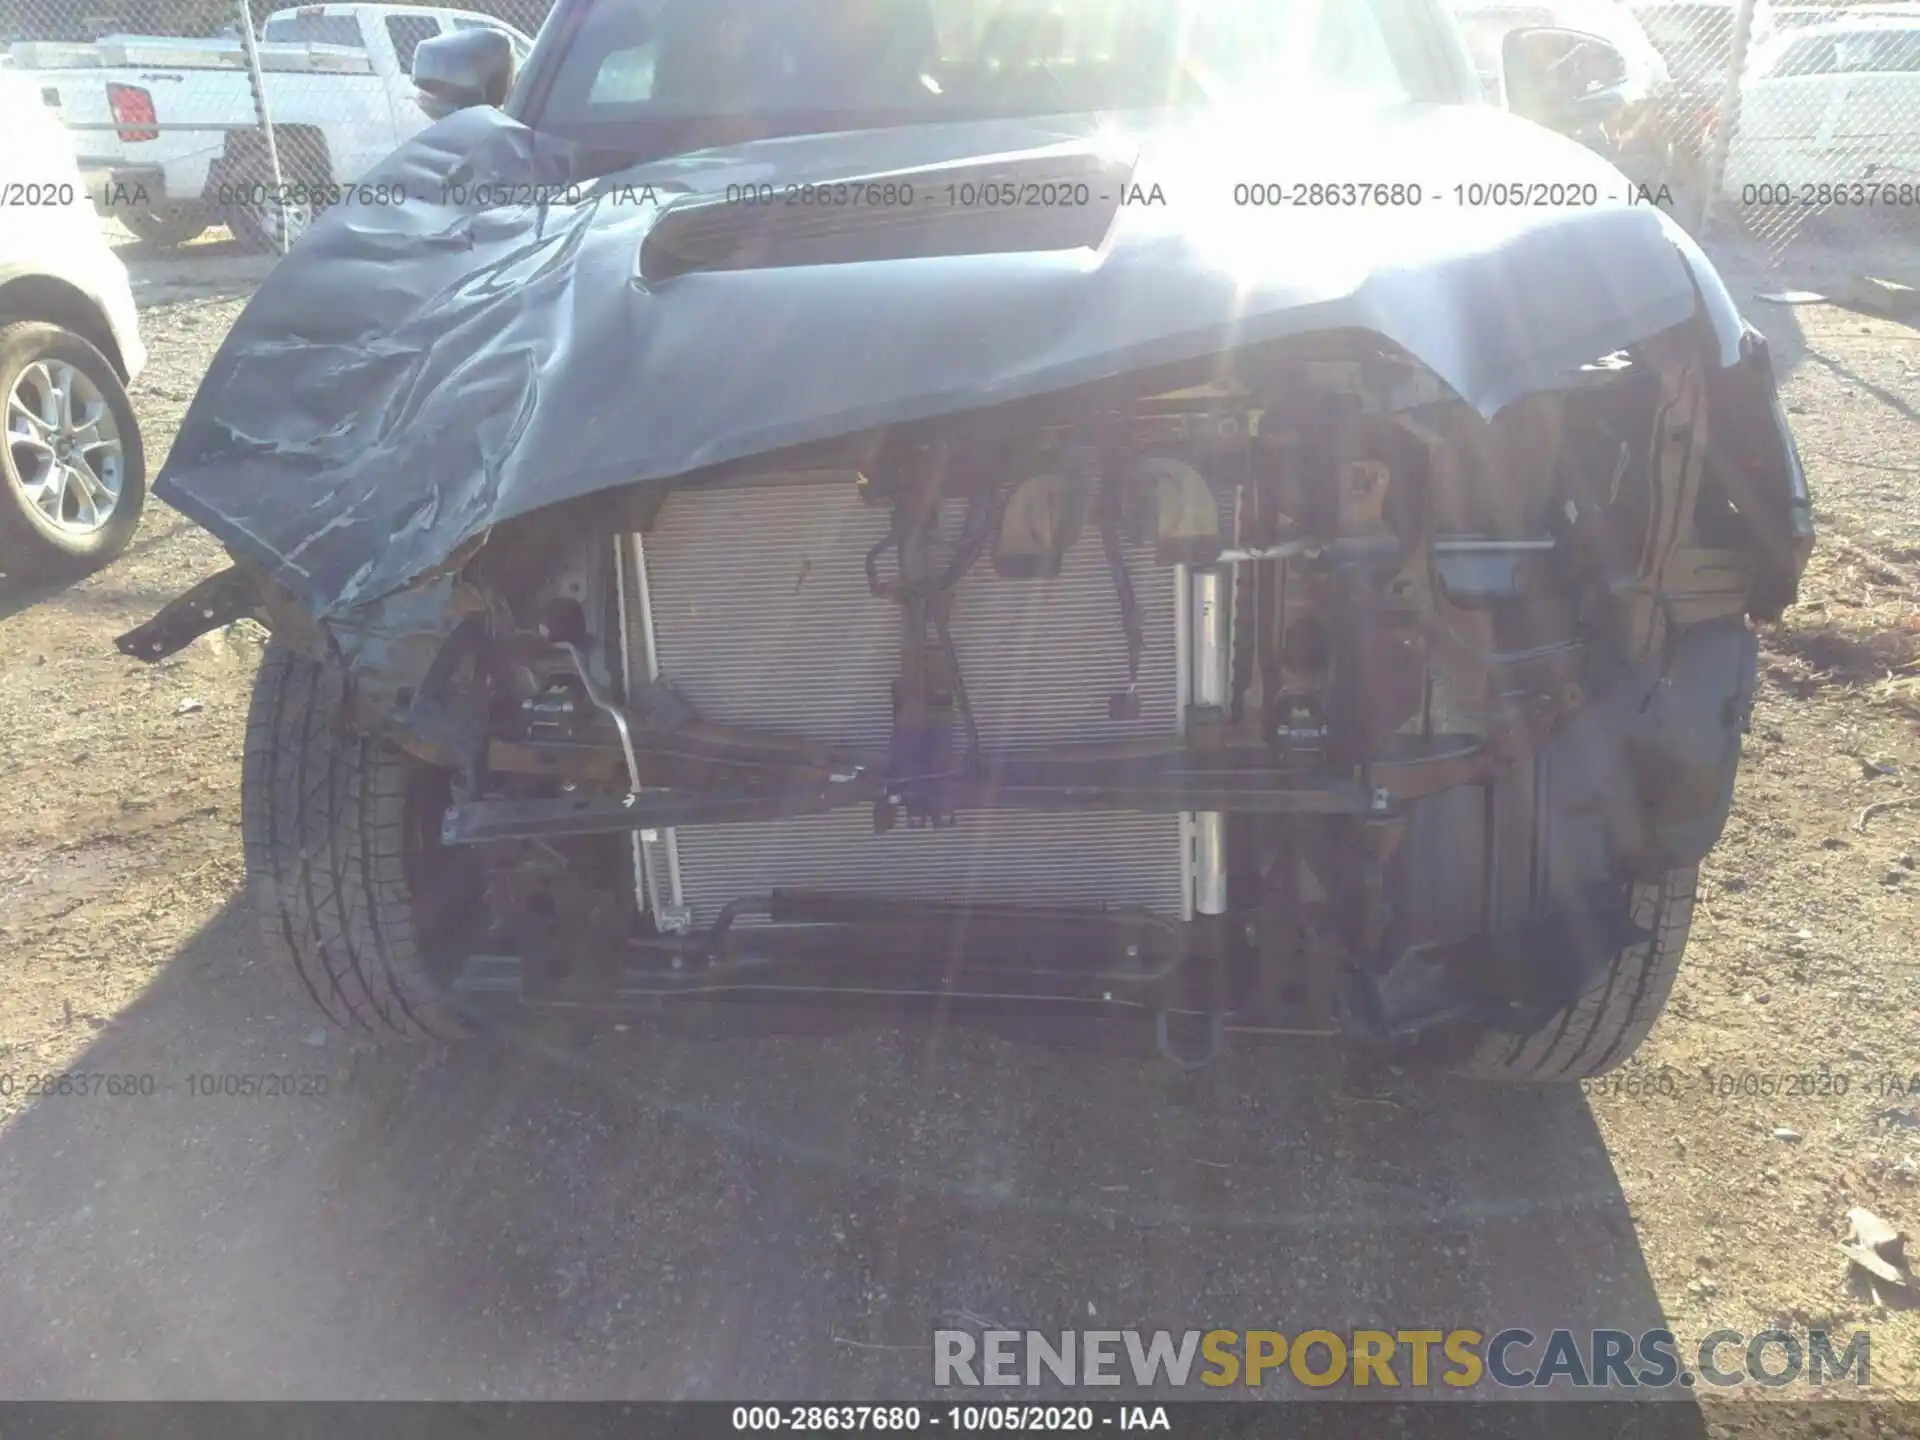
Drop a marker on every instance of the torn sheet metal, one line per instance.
(414, 374)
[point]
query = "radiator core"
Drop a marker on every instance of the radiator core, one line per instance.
(752, 602)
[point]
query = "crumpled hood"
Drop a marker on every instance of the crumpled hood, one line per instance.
(414, 374)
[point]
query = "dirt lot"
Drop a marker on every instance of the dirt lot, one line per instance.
(622, 1213)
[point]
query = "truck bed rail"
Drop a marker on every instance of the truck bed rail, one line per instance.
(172, 52)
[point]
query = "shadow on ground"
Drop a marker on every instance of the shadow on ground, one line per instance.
(567, 1213)
(1828, 260)
(20, 593)
(208, 270)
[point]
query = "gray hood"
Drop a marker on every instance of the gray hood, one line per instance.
(414, 374)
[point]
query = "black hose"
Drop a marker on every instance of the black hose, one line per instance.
(1122, 585)
(716, 935)
(960, 699)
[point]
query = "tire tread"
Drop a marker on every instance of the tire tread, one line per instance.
(325, 824)
(1602, 1029)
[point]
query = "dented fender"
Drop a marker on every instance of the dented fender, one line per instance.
(1646, 769)
(1754, 463)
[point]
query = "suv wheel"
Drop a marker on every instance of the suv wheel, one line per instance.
(73, 477)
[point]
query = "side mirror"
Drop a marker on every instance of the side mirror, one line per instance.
(461, 70)
(1563, 79)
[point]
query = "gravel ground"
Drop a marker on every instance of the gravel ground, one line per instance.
(623, 1213)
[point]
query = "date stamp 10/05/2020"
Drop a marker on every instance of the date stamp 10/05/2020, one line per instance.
(1891, 1083)
(28, 1086)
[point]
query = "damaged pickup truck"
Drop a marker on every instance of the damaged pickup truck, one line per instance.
(1158, 509)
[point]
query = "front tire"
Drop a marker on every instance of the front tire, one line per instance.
(355, 896)
(73, 477)
(1603, 1028)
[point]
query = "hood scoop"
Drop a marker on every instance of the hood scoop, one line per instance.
(1058, 198)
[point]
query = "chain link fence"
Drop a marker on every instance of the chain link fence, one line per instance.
(191, 115)
(1752, 120)
(1755, 122)
(1809, 117)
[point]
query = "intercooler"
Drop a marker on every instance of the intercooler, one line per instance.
(752, 602)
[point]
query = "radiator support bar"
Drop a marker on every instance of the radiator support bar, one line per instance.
(1170, 789)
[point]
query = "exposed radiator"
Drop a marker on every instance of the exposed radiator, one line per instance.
(755, 600)
(992, 856)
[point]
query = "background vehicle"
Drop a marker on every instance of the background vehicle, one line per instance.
(917, 558)
(1695, 37)
(167, 128)
(1653, 134)
(72, 473)
(1830, 105)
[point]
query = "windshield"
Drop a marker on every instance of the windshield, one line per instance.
(342, 30)
(901, 61)
(1843, 52)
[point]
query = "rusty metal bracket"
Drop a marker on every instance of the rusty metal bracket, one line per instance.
(217, 601)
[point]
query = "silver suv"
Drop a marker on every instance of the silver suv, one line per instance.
(72, 472)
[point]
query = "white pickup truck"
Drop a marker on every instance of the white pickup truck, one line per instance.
(166, 126)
